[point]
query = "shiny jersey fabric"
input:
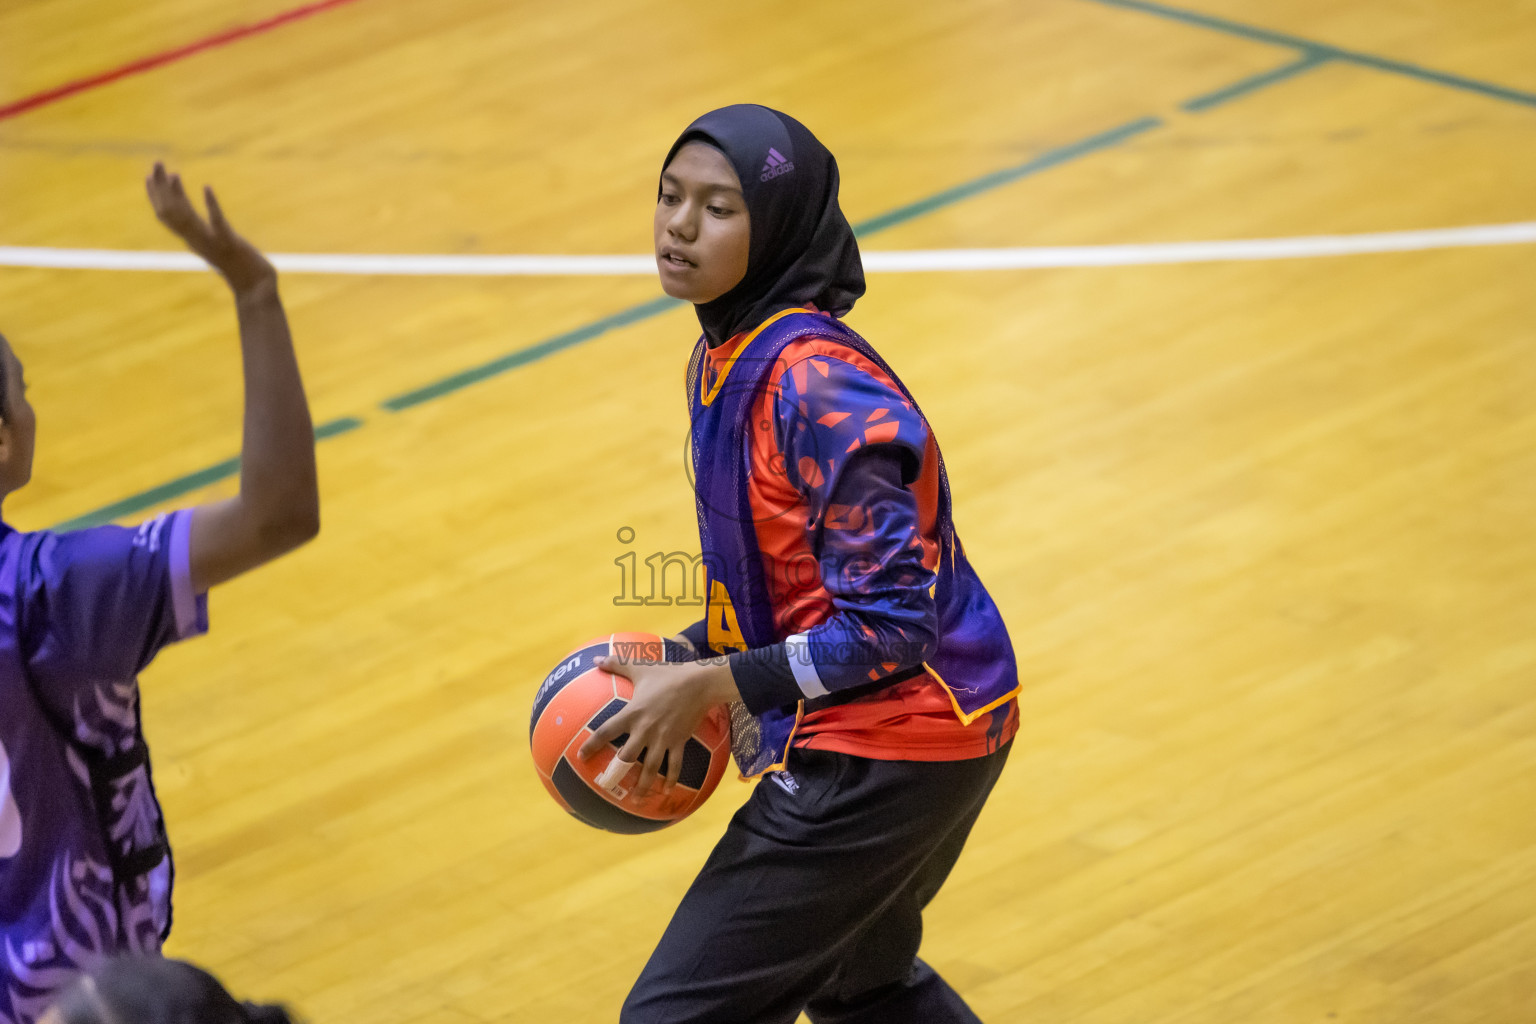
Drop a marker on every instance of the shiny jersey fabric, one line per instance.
(833, 534)
(85, 869)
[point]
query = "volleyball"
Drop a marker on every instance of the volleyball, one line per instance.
(573, 701)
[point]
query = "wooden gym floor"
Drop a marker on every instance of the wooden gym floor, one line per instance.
(1264, 531)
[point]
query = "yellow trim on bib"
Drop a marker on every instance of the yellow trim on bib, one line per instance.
(784, 757)
(710, 393)
(967, 719)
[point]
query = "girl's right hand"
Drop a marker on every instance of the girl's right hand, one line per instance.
(240, 262)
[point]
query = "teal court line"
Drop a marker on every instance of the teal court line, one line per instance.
(646, 310)
(624, 318)
(1306, 63)
(1369, 60)
(1313, 55)
(533, 353)
(186, 484)
(997, 179)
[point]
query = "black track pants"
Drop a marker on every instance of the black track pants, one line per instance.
(813, 899)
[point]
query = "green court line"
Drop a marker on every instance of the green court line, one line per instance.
(988, 182)
(1313, 53)
(1259, 81)
(1264, 35)
(646, 310)
(524, 356)
(337, 426)
(185, 484)
(625, 317)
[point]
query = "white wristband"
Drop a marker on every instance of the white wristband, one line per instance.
(803, 665)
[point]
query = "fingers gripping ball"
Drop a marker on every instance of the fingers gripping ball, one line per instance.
(573, 701)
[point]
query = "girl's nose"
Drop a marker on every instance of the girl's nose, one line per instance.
(681, 223)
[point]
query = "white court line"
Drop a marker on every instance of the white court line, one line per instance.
(908, 261)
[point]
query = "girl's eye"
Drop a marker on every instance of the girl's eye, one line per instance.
(719, 211)
(669, 199)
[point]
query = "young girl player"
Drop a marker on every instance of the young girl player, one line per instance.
(85, 869)
(869, 672)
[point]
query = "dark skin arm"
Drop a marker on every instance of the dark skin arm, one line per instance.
(278, 506)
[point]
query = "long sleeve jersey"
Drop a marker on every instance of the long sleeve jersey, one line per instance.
(844, 490)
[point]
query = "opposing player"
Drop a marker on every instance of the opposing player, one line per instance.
(85, 867)
(869, 672)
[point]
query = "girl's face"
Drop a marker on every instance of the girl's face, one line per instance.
(702, 229)
(18, 427)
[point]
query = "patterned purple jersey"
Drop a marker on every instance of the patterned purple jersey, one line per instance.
(85, 869)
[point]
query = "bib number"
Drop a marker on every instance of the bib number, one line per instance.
(724, 630)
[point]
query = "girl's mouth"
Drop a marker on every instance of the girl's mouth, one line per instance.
(673, 259)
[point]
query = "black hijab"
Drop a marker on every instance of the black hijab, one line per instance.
(802, 249)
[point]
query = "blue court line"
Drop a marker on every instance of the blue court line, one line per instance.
(1259, 81)
(1264, 35)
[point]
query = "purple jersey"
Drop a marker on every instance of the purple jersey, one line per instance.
(85, 869)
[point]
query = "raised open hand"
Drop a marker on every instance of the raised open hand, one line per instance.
(240, 262)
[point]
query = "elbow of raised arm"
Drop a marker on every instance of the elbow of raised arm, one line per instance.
(293, 527)
(306, 525)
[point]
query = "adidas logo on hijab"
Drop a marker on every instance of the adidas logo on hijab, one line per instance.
(775, 165)
(802, 250)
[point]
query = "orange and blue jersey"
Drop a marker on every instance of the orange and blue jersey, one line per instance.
(833, 565)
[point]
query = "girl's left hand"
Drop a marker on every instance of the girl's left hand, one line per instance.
(669, 702)
(240, 262)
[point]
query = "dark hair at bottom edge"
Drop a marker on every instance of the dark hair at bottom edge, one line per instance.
(257, 1013)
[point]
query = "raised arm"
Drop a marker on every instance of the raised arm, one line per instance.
(278, 507)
